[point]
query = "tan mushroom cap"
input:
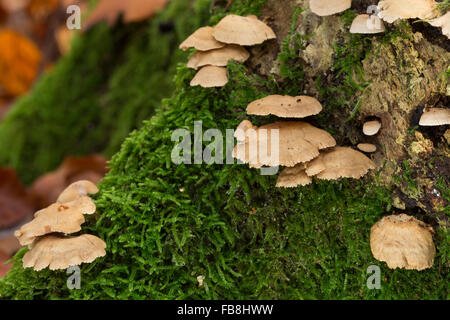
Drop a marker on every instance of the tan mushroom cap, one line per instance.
(240, 131)
(329, 7)
(403, 242)
(340, 162)
(77, 190)
(391, 10)
(444, 23)
(285, 106)
(435, 117)
(298, 142)
(210, 76)
(371, 128)
(245, 31)
(367, 147)
(202, 40)
(59, 217)
(62, 252)
(218, 57)
(366, 24)
(292, 177)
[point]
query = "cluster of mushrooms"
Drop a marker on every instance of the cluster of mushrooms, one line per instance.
(216, 46)
(305, 151)
(46, 234)
(389, 11)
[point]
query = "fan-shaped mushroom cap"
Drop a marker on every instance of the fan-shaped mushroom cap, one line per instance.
(340, 162)
(371, 128)
(366, 24)
(298, 142)
(77, 190)
(285, 106)
(202, 40)
(218, 57)
(329, 7)
(245, 31)
(391, 10)
(444, 23)
(240, 131)
(403, 242)
(435, 117)
(367, 147)
(59, 217)
(210, 76)
(60, 253)
(292, 177)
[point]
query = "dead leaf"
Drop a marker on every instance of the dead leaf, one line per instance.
(14, 5)
(132, 10)
(47, 188)
(15, 205)
(19, 62)
(41, 9)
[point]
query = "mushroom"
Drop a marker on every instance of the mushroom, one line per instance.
(77, 190)
(391, 10)
(444, 23)
(285, 106)
(62, 252)
(371, 128)
(292, 177)
(340, 162)
(366, 24)
(210, 76)
(329, 7)
(298, 142)
(435, 117)
(245, 31)
(202, 40)
(218, 57)
(240, 131)
(367, 147)
(403, 242)
(59, 217)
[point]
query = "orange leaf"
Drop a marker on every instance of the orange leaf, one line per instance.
(41, 9)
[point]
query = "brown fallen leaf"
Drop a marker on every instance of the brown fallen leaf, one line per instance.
(9, 245)
(132, 10)
(41, 9)
(47, 188)
(15, 205)
(14, 5)
(19, 62)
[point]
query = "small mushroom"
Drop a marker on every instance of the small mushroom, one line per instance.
(435, 117)
(210, 76)
(292, 177)
(59, 217)
(367, 147)
(366, 24)
(329, 7)
(444, 23)
(77, 190)
(285, 106)
(392, 10)
(218, 57)
(297, 142)
(371, 128)
(62, 252)
(245, 31)
(340, 162)
(403, 242)
(202, 40)
(240, 131)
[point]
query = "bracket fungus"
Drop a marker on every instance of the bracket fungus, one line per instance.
(202, 40)
(444, 23)
(367, 147)
(285, 106)
(218, 57)
(340, 162)
(366, 24)
(210, 76)
(371, 128)
(240, 131)
(292, 177)
(392, 10)
(62, 252)
(245, 31)
(329, 7)
(435, 117)
(403, 242)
